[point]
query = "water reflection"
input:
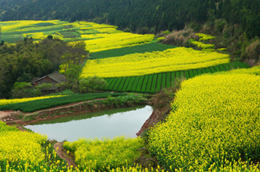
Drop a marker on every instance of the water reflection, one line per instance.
(107, 124)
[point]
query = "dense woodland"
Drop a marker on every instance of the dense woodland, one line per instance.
(26, 60)
(139, 15)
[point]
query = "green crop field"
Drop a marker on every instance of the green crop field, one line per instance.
(149, 47)
(153, 83)
(34, 105)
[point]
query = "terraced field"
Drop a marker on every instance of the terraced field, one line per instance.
(215, 120)
(37, 103)
(137, 64)
(98, 37)
(155, 82)
(129, 62)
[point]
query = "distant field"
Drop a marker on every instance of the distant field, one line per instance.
(128, 61)
(143, 48)
(98, 37)
(155, 82)
(137, 64)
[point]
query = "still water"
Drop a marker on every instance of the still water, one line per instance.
(108, 124)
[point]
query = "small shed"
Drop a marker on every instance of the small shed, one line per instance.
(53, 78)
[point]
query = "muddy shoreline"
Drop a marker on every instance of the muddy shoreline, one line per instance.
(75, 109)
(20, 119)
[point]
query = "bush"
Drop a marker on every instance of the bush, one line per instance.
(215, 123)
(62, 86)
(92, 84)
(45, 87)
(24, 89)
(220, 25)
(179, 38)
(252, 53)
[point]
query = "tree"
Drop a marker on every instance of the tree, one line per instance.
(1, 41)
(75, 55)
(25, 60)
(91, 84)
(72, 75)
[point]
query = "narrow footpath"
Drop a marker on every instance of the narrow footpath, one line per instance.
(63, 155)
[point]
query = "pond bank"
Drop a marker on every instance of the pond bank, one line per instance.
(106, 124)
(74, 109)
(21, 119)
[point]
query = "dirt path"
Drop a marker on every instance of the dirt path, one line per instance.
(61, 107)
(7, 115)
(4, 114)
(63, 155)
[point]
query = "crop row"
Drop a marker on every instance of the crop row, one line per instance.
(33, 105)
(153, 83)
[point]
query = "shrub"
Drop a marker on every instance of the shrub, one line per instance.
(24, 89)
(91, 84)
(179, 38)
(62, 86)
(253, 52)
(45, 87)
(219, 25)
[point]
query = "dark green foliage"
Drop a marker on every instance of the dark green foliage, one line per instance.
(26, 60)
(150, 47)
(24, 89)
(154, 83)
(35, 105)
(92, 84)
(141, 15)
(252, 51)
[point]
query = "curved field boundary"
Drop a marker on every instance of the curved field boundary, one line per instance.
(147, 47)
(155, 82)
(35, 105)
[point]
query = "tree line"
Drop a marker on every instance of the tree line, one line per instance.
(139, 15)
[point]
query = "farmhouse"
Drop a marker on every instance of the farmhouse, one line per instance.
(53, 78)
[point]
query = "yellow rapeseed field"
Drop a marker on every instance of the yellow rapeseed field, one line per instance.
(99, 154)
(115, 40)
(20, 25)
(22, 100)
(20, 146)
(215, 122)
(98, 37)
(254, 70)
(204, 37)
(153, 62)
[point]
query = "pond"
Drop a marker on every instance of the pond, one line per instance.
(108, 124)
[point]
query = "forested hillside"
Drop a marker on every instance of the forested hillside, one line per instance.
(140, 15)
